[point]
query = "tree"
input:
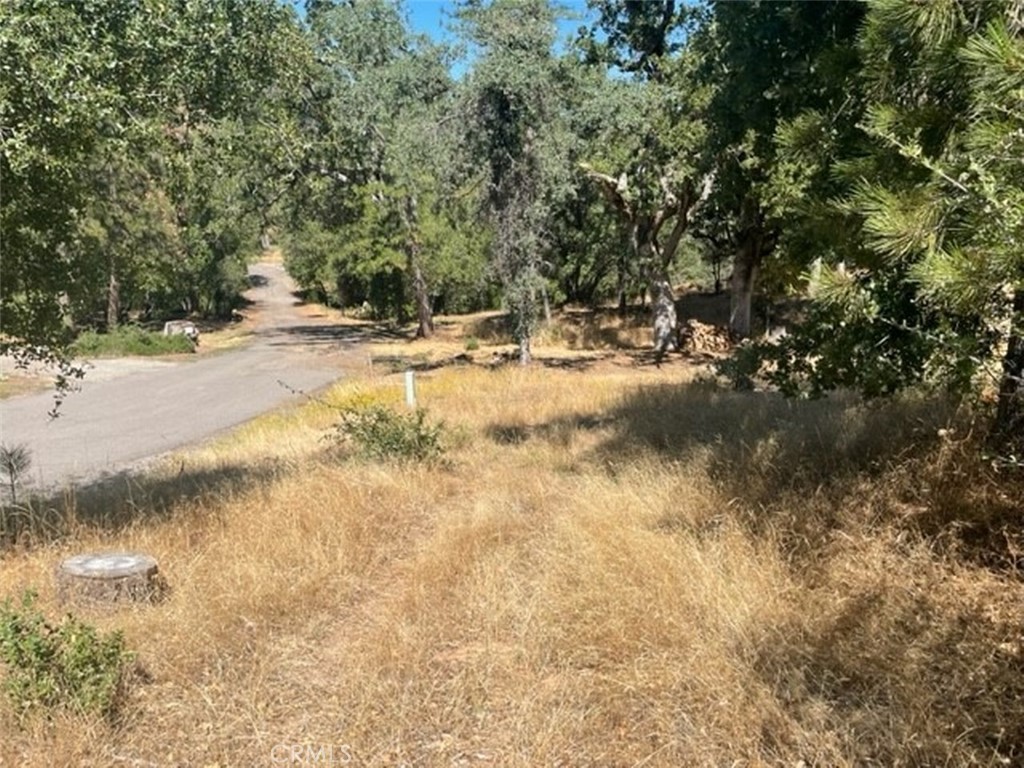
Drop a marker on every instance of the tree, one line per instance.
(646, 157)
(124, 141)
(515, 143)
(930, 289)
(52, 113)
(379, 141)
(783, 106)
(655, 191)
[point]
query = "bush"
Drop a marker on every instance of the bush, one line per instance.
(378, 432)
(69, 665)
(130, 340)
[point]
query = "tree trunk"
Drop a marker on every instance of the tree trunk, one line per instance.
(113, 244)
(525, 353)
(524, 310)
(113, 300)
(663, 305)
(421, 296)
(424, 312)
(744, 277)
(1010, 412)
(620, 288)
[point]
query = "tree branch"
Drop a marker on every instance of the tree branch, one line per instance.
(613, 189)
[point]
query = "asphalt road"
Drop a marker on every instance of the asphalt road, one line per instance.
(130, 410)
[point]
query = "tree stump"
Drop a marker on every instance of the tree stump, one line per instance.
(110, 577)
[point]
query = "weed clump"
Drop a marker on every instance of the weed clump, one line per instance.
(68, 665)
(379, 433)
(130, 340)
(15, 461)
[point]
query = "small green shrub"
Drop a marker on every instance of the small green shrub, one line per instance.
(472, 344)
(130, 340)
(68, 665)
(378, 432)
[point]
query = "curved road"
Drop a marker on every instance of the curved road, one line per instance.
(129, 410)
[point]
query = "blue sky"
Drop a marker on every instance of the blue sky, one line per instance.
(433, 17)
(430, 16)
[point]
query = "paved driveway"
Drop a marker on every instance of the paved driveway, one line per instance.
(129, 410)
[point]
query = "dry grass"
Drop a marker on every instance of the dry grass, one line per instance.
(23, 384)
(615, 567)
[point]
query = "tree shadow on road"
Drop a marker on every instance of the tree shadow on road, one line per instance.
(333, 336)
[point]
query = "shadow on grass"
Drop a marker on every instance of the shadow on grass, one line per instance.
(898, 658)
(756, 444)
(759, 444)
(805, 469)
(125, 499)
(510, 358)
(558, 431)
(800, 468)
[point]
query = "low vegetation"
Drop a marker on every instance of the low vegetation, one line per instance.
(615, 566)
(130, 340)
(378, 432)
(65, 665)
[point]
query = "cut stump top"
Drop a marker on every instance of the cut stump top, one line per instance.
(109, 565)
(109, 577)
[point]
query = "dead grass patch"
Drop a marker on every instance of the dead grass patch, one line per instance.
(23, 384)
(615, 568)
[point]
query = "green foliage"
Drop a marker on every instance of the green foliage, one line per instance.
(69, 665)
(868, 336)
(932, 290)
(50, 113)
(380, 433)
(514, 144)
(137, 174)
(310, 252)
(644, 155)
(784, 108)
(369, 220)
(130, 340)
(637, 37)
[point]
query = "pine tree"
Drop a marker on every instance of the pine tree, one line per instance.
(935, 292)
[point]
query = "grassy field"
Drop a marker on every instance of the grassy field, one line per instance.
(613, 565)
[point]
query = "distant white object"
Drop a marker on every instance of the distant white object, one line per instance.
(182, 328)
(410, 389)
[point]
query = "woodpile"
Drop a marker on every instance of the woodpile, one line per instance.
(700, 338)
